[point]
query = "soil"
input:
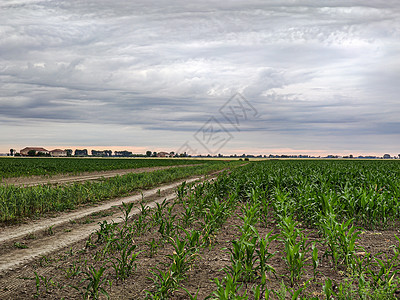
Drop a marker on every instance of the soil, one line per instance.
(85, 176)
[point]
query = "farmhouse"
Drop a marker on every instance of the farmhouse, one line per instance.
(58, 153)
(24, 152)
(163, 154)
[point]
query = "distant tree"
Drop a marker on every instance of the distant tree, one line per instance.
(12, 152)
(69, 152)
(79, 152)
(42, 154)
(31, 153)
(154, 154)
(148, 153)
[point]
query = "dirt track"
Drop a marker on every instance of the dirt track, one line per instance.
(87, 176)
(49, 235)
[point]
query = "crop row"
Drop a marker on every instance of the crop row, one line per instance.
(279, 248)
(16, 167)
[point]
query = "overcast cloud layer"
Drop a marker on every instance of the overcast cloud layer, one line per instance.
(323, 76)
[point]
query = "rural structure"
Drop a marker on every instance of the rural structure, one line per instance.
(25, 151)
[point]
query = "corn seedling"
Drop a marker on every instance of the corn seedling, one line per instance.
(95, 281)
(50, 230)
(228, 289)
(73, 270)
(125, 262)
(341, 239)
(126, 210)
(164, 284)
(296, 248)
(153, 246)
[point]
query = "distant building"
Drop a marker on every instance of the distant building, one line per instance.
(163, 154)
(58, 153)
(24, 152)
(386, 156)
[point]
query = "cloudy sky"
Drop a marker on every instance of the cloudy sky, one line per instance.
(252, 76)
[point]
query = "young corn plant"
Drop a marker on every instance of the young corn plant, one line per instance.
(95, 283)
(125, 262)
(164, 284)
(182, 258)
(126, 210)
(341, 239)
(315, 260)
(47, 283)
(264, 255)
(282, 206)
(228, 289)
(383, 271)
(167, 227)
(243, 259)
(265, 209)
(106, 231)
(159, 212)
(153, 246)
(181, 191)
(361, 263)
(193, 240)
(73, 270)
(296, 248)
(187, 217)
(250, 216)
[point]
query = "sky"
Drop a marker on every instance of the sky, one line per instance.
(257, 77)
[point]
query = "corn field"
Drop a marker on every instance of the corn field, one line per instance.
(268, 230)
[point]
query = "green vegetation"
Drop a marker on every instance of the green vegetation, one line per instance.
(19, 202)
(16, 167)
(299, 225)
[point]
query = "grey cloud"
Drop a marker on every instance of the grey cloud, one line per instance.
(309, 67)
